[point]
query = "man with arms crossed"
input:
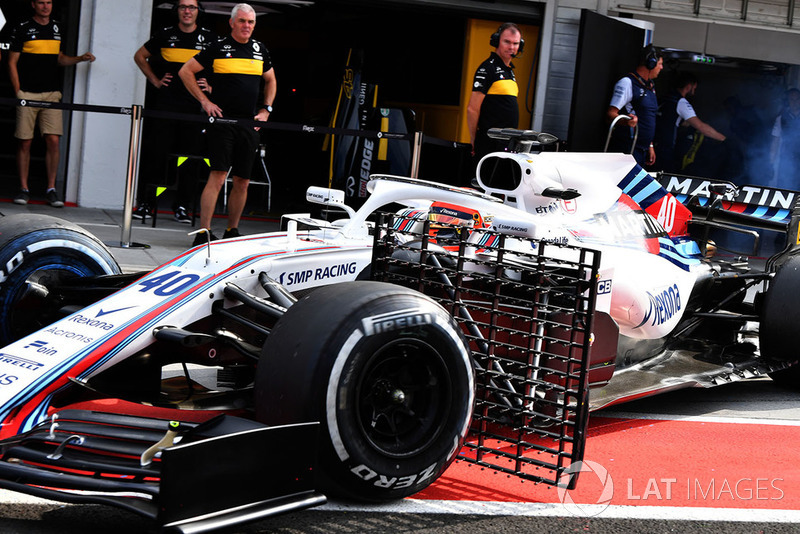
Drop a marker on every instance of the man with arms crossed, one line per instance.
(237, 64)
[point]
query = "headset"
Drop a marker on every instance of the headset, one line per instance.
(649, 57)
(494, 40)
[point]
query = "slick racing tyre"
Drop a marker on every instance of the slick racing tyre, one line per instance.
(386, 372)
(37, 251)
(778, 325)
(788, 378)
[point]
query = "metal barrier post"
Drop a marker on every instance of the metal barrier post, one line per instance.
(614, 125)
(130, 179)
(415, 154)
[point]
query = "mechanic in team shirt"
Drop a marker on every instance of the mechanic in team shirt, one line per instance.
(160, 59)
(635, 96)
(493, 102)
(672, 112)
(238, 64)
(33, 66)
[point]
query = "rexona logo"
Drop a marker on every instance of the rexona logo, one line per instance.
(604, 493)
(398, 320)
(88, 321)
(663, 306)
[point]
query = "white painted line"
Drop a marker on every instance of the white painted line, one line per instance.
(696, 418)
(419, 506)
(489, 508)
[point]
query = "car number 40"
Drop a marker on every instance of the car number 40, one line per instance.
(168, 284)
(666, 214)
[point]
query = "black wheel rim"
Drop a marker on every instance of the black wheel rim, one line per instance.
(403, 398)
(29, 301)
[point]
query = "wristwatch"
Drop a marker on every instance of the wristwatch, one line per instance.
(267, 107)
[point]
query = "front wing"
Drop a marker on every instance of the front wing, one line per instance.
(208, 475)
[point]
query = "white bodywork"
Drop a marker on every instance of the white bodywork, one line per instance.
(643, 291)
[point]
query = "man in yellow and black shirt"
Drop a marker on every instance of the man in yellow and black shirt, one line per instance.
(493, 102)
(160, 59)
(33, 60)
(237, 64)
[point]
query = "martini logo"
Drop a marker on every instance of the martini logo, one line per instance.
(596, 473)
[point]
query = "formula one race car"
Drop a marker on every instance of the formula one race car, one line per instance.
(360, 356)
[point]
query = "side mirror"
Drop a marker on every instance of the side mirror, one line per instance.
(563, 194)
(328, 197)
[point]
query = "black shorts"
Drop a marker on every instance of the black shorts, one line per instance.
(230, 145)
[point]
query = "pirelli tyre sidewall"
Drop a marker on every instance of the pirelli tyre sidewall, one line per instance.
(38, 248)
(386, 372)
(778, 324)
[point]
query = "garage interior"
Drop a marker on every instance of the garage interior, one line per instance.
(421, 55)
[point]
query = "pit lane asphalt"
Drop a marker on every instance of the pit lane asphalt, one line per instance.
(168, 239)
(750, 400)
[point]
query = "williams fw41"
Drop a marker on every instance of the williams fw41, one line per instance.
(359, 354)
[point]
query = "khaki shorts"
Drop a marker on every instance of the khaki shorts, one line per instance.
(50, 120)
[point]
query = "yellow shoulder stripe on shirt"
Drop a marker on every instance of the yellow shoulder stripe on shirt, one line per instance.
(178, 55)
(504, 87)
(234, 65)
(43, 46)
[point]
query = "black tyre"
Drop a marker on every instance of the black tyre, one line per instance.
(779, 314)
(36, 251)
(386, 372)
(788, 378)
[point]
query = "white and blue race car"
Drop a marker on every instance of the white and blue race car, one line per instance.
(361, 352)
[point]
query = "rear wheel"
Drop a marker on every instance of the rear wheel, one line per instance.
(37, 252)
(387, 373)
(788, 378)
(779, 314)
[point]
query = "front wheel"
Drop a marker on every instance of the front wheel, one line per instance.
(386, 372)
(37, 252)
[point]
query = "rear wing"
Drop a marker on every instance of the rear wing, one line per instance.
(724, 204)
(754, 205)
